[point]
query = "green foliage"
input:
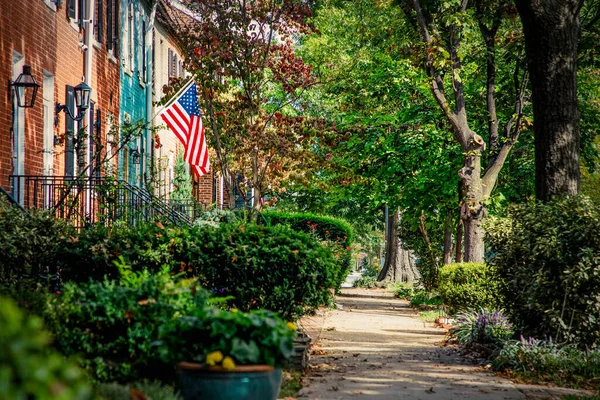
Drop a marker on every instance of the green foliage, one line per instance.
(483, 326)
(256, 337)
(546, 361)
(112, 325)
(182, 181)
(325, 228)
(403, 290)
(425, 299)
(366, 282)
(466, 286)
(29, 368)
(549, 256)
(271, 267)
(28, 243)
(330, 230)
(150, 391)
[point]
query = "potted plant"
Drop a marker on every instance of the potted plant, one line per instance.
(229, 354)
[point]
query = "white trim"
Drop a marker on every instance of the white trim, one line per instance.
(51, 5)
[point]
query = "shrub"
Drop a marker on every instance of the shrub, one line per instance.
(424, 299)
(486, 327)
(271, 267)
(210, 336)
(549, 255)
(29, 368)
(328, 229)
(28, 243)
(403, 290)
(546, 361)
(112, 325)
(136, 391)
(469, 285)
(366, 282)
(146, 246)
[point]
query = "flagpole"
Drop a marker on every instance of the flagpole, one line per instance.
(174, 98)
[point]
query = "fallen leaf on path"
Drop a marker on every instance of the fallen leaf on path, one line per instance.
(430, 390)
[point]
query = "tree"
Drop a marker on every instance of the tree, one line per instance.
(241, 54)
(447, 32)
(552, 30)
(182, 181)
(399, 263)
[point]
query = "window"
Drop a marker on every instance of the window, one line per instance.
(99, 21)
(76, 11)
(72, 8)
(112, 26)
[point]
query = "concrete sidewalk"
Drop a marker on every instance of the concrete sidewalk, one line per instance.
(373, 346)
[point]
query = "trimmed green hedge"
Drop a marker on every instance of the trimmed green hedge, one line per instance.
(272, 267)
(467, 286)
(331, 230)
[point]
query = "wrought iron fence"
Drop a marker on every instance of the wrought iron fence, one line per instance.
(91, 200)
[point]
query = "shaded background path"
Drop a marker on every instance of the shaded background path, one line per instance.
(373, 346)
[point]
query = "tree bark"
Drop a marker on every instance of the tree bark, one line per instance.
(551, 30)
(448, 240)
(399, 265)
(459, 229)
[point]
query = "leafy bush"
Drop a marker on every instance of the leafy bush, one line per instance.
(546, 361)
(366, 282)
(271, 267)
(211, 336)
(549, 255)
(112, 325)
(484, 326)
(28, 366)
(28, 243)
(137, 390)
(145, 246)
(424, 299)
(404, 290)
(470, 285)
(328, 229)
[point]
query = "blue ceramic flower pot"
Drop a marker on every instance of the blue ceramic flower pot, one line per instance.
(245, 382)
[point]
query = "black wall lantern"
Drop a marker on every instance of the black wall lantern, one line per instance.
(135, 156)
(82, 102)
(26, 88)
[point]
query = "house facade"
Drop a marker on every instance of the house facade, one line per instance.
(125, 55)
(67, 46)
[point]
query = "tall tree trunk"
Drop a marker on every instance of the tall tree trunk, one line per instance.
(448, 240)
(459, 226)
(399, 265)
(473, 210)
(551, 30)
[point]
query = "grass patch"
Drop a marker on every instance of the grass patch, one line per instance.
(291, 383)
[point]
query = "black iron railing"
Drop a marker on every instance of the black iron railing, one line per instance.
(10, 199)
(190, 208)
(86, 201)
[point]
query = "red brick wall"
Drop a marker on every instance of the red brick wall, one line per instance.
(48, 41)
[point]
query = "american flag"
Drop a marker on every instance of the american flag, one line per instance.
(183, 117)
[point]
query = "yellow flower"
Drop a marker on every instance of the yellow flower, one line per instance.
(291, 326)
(234, 310)
(228, 363)
(214, 358)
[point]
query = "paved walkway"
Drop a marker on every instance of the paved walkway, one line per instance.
(374, 347)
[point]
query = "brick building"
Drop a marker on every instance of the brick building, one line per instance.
(63, 42)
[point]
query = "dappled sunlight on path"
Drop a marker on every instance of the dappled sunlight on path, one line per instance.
(373, 346)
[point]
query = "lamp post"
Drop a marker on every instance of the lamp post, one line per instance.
(26, 88)
(82, 102)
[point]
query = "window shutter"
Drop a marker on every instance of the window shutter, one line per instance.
(81, 12)
(99, 20)
(109, 25)
(170, 65)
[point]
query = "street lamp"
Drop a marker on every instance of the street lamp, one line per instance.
(82, 102)
(26, 88)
